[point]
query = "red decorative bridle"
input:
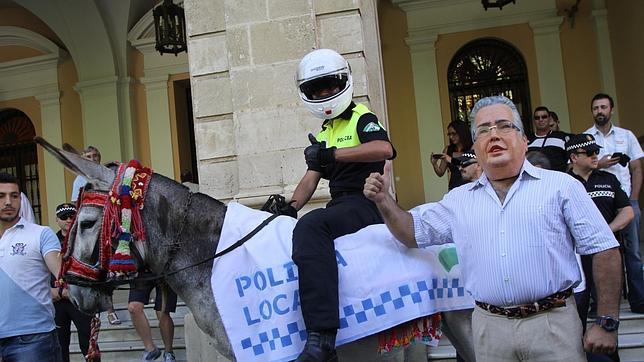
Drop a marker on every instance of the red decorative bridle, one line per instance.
(113, 203)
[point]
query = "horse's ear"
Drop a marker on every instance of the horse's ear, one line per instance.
(98, 175)
(69, 148)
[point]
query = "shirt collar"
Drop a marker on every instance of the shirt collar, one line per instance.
(595, 131)
(527, 170)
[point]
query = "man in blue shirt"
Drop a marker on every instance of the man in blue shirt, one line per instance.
(28, 254)
(516, 240)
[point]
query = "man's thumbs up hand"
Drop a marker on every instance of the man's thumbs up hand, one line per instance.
(377, 185)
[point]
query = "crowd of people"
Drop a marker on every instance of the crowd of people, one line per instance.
(549, 218)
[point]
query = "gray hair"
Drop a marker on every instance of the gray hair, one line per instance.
(490, 101)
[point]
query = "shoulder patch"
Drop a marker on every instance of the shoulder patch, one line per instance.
(371, 127)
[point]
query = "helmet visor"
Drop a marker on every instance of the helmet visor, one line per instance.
(324, 87)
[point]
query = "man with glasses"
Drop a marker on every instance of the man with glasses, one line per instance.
(621, 155)
(547, 141)
(516, 230)
(66, 313)
(470, 169)
(611, 201)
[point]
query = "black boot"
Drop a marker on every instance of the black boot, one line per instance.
(320, 347)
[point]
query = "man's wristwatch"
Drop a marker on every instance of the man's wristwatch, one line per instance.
(609, 323)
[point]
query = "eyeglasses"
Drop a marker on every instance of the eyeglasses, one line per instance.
(588, 153)
(465, 164)
(536, 118)
(502, 126)
(67, 217)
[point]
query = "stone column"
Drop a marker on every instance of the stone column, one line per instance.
(430, 125)
(100, 108)
(158, 107)
(552, 82)
(52, 132)
(604, 52)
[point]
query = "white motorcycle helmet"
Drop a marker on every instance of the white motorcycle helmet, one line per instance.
(325, 69)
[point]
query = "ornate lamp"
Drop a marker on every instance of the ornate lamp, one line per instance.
(496, 4)
(170, 28)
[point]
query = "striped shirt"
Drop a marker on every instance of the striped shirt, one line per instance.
(524, 249)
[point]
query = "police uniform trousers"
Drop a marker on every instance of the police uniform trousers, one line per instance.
(314, 255)
(66, 313)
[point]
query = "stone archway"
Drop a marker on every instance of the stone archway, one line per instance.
(18, 154)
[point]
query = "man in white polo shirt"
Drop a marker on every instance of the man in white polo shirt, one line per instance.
(28, 254)
(620, 155)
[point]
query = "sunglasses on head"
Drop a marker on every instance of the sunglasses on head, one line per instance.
(67, 217)
(588, 153)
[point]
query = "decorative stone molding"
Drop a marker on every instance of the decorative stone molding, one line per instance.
(37, 77)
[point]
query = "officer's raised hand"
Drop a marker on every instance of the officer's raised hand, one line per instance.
(317, 155)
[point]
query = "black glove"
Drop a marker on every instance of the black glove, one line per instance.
(317, 155)
(289, 210)
(277, 204)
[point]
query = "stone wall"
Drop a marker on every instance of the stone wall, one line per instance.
(250, 126)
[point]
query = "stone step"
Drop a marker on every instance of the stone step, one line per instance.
(125, 331)
(122, 343)
(126, 352)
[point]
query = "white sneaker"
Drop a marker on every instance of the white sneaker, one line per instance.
(168, 357)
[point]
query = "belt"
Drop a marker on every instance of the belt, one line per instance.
(525, 310)
(345, 193)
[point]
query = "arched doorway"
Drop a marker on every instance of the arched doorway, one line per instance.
(18, 154)
(486, 67)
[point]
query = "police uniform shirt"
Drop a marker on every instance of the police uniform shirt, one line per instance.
(350, 176)
(553, 146)
(606, 192)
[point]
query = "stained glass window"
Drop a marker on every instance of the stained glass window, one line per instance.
(486, 67)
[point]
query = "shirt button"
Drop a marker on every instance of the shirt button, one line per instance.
(502, 231)
(509, 301)
(506, 279)
(503, 255)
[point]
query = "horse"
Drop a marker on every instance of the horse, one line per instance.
(181, 228)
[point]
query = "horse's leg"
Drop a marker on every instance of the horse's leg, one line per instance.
(457, 326)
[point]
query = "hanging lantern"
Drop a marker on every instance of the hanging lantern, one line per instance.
(170, 28)
(496, 4)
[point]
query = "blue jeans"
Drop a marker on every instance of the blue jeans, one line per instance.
(633, 259)
(31, 347)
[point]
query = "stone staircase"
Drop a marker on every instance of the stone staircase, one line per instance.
(121, 342)
(631, 339)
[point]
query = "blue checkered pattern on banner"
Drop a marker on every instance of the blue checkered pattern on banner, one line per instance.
(397, 298)
(274, 336)
(390, 300)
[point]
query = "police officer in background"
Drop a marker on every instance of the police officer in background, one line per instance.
(351, 145)
(606, 192)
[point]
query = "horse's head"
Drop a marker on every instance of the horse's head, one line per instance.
(85, 234)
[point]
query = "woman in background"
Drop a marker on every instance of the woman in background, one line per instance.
(460, 140)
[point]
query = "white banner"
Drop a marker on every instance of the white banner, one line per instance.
(382, 284)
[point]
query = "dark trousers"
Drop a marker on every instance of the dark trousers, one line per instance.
(314, 255)
(66, 313)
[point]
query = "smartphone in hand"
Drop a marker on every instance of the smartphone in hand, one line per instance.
(616, 155)
(437, 156)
